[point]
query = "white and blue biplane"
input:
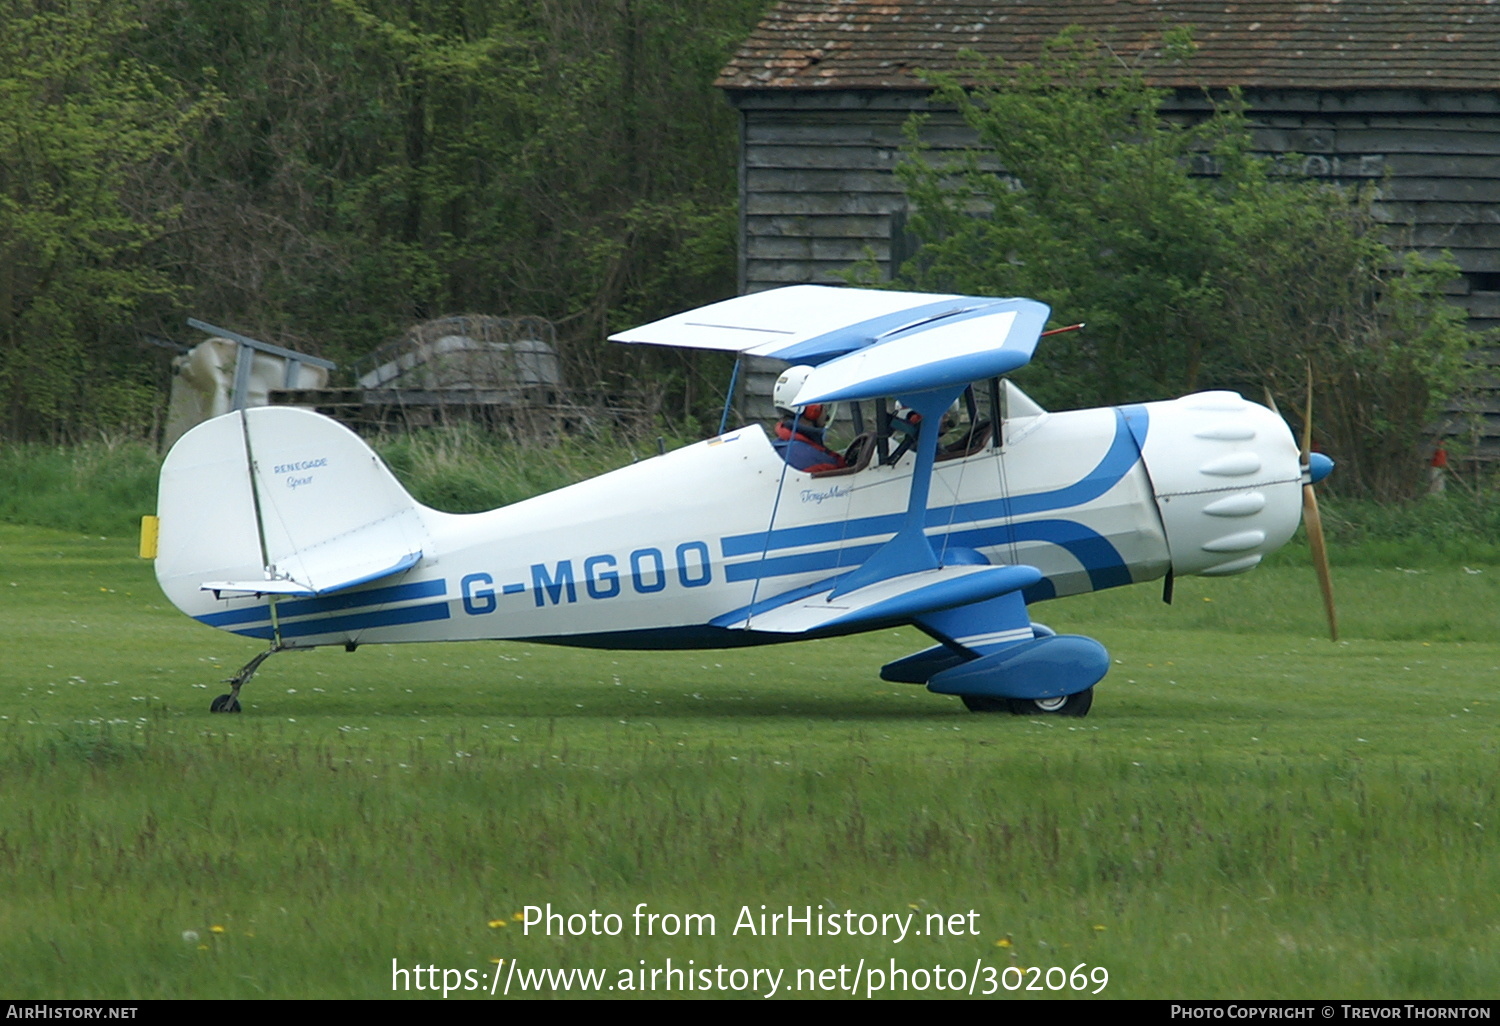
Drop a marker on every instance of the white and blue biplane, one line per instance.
(280, 524)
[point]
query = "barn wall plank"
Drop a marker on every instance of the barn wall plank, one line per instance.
(835, 225)
(823, 203)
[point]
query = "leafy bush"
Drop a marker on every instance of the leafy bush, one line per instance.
(1194, 262)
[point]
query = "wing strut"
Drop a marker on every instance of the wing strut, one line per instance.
(909, 551)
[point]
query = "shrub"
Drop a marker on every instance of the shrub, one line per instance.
(1194, 262)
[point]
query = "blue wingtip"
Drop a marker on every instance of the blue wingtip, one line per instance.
(1318, 467)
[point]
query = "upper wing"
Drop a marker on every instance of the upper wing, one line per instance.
(866, 342)
(810, 323)
(940, 352)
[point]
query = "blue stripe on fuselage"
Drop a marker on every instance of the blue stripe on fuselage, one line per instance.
(327, 603)
(806, 562)
(355, 622)
(1106, 568)
(1139, 420)
(1123, 454)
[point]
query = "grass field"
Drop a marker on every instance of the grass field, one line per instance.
(1249, 810)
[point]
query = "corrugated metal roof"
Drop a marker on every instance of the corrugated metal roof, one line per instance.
(1270, 44)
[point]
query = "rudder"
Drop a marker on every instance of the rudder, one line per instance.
(283, 501)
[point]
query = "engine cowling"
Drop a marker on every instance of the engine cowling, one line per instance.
(1227, 476)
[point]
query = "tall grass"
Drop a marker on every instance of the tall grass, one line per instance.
(94, 488)
(463, 469)
(1454, 529)
(1199, 873)
(1246, 812)
(104, 488)
(1451, 528)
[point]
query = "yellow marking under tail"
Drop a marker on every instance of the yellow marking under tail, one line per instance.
(150, 528)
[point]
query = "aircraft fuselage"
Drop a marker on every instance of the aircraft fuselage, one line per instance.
(660, 553)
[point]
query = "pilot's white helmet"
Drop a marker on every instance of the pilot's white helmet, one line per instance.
(785, 392)
(788, 385)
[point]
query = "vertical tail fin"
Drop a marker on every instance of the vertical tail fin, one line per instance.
(277, 500)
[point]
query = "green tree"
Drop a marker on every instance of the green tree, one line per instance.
(568, 158)
(84, 134)
(1193, 263)
(380, 162)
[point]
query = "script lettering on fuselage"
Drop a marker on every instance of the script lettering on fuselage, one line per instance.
(644, 571)
(820, 497)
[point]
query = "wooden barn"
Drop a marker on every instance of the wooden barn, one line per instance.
(1404, 94)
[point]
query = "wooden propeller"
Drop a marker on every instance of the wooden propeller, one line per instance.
(1311, 518)
(1314, 521)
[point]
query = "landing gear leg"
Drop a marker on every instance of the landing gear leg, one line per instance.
(231, 702)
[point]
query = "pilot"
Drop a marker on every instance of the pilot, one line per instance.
(904, 421)
(799, 435)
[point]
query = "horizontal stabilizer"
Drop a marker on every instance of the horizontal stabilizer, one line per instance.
(894, 600)
(333, 577)
(279, 587)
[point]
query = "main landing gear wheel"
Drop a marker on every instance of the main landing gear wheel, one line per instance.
(225, 703)
(1068, 705)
